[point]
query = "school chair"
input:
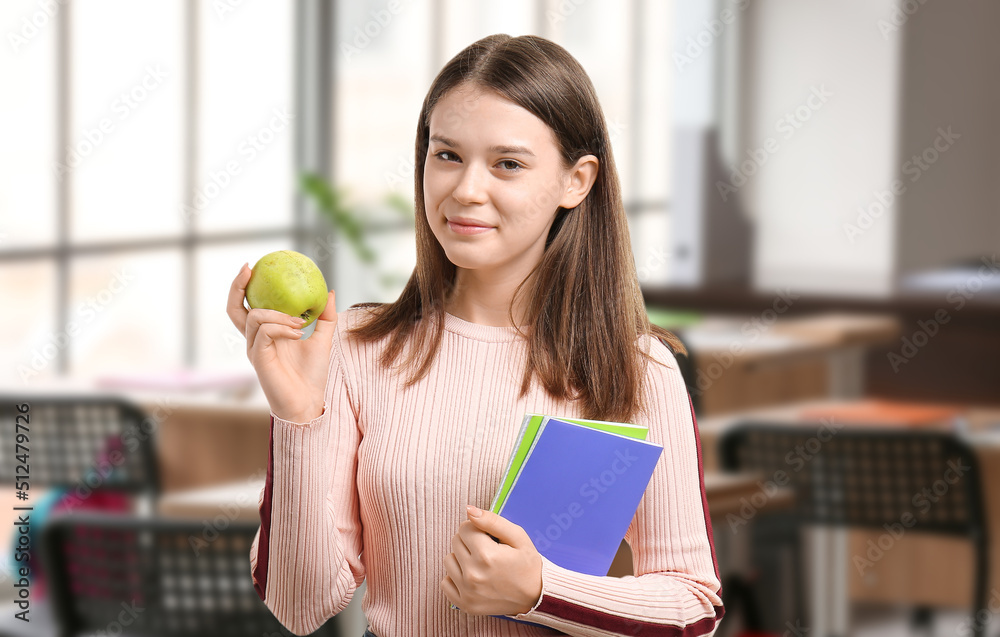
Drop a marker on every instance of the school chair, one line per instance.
(862, 476)
(81, 444)
(156, 576)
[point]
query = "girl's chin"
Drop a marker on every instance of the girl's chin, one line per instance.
(470, 264)
(470, 259)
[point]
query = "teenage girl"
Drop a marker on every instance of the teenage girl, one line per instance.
(392, 424)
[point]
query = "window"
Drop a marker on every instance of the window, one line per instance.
(152, 157)
(157, 147)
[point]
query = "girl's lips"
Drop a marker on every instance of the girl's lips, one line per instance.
(463, 229)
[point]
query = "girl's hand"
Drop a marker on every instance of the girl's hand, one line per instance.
(292, 372)
(487, 578)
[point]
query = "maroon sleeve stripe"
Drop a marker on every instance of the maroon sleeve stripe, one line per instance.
(704, 496)
(622, 625)
(260, 570)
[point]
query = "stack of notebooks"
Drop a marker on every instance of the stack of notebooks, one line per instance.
(574, 486)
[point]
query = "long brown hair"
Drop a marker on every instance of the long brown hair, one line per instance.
(584, 310)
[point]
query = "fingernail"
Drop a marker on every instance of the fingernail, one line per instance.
(473, 511)
(298, 319)
(299, 333)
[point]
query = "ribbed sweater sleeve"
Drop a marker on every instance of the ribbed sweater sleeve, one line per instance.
(305, 559)
(676, 587)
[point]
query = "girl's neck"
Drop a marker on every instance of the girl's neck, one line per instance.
(491, 313)
(485, 305)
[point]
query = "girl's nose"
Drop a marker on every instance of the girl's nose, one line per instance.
(471, 187)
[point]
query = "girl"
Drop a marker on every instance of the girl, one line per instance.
(391, 418)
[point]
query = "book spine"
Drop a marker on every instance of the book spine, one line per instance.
(510, 459)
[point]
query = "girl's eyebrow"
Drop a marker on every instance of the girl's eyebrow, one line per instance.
(506, 150)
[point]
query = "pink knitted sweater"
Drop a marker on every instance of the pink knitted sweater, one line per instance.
(375, 488)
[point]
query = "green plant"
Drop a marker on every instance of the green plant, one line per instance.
(347, 219)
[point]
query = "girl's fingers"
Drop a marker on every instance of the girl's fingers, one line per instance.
(449, 589)
(453, 567)
(259, 318)
(234, 306)
(458, 546)
(326, 322)
(271, 332)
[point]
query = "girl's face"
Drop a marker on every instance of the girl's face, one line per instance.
(494, 180)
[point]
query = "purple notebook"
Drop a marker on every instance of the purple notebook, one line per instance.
(578, 491)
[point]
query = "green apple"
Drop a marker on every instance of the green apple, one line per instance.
(289, 282)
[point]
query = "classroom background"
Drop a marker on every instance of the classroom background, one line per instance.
(811, 192)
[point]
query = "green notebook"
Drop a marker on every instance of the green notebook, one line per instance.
(529, 429)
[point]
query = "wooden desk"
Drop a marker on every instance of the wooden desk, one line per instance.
(971, 335)
(233, 501)
(203, 444)
(727, 492)
(745, 363)
(240, 499)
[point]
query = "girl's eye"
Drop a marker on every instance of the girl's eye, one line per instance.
(506, 164)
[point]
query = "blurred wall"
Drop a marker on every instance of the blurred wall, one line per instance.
(820, 112)
(951, 79)
(867, 140)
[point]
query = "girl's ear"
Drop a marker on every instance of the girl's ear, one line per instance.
(581, 178)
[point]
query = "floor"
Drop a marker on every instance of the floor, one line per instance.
(892, 622)
(885, 621)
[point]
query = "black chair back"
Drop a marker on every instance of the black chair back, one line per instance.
(155, 576)
(894, 480)
(83, 443)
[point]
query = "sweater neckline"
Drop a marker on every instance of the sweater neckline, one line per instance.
(479, 332)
